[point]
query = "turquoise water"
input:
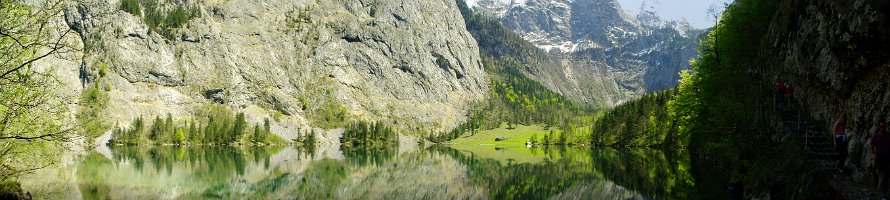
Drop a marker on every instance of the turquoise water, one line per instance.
(432, 173)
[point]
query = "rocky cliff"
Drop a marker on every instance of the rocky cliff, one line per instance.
(410, 63)
(605, 54)
(835, 53)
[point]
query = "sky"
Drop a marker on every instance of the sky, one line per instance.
(694, 11)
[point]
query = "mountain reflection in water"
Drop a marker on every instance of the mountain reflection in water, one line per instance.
(436, 172)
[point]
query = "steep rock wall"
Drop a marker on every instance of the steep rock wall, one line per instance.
(410, 63)
(835, 53)
(605, 56)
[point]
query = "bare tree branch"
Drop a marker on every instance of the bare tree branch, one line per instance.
(55, 47)
(17, 41)
(46, 137)
(27, 138)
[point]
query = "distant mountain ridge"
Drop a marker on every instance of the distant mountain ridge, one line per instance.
(603, 50)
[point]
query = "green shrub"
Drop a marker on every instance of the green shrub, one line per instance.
(132, 6)
(103, 70)
(330, 115)
(93, 101)
(177, 17)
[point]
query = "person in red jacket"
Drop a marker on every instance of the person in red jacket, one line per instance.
(789, 93)
(879, 147)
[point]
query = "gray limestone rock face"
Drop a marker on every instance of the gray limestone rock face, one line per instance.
(835, 55)
(405, 62)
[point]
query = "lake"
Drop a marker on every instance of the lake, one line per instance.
(438, 172)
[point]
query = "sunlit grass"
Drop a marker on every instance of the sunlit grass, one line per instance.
(510, 150)
(514, 137)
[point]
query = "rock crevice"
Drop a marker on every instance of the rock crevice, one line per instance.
(287, 56)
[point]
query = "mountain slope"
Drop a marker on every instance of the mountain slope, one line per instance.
(305, 63)
(500, 43)
(601, 50)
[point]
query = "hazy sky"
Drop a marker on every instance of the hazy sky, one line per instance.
(694, 11)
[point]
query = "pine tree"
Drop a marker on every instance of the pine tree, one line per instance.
(256, 134)
(169, 128)
(179, 137)
(267, 127)
(238, 128)
(193, 132)
(209, 137)
(156, 129)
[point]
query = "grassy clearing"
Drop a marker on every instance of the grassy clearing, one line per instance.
(513, 149)
(520, 134)
(514, 137)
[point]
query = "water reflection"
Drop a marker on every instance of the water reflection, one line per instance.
(576, 172)
(434, 173)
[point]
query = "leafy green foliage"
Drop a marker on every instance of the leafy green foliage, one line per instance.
(32, 115)
(320, 106)
(718, 104)
(132, 6)
(721, 109)
(641, 122)
(92, 102)
(103, 69)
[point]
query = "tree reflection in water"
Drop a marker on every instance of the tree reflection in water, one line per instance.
(437, 172)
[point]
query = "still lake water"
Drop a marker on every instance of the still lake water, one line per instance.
(456, 172)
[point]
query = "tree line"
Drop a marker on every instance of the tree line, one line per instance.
(641, 122)
(216, 125)
(160, 17)
(368, 134)
(721, 112)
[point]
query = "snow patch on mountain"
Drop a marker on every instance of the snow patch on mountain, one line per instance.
(600, 43)
(474, 3)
